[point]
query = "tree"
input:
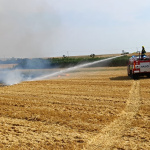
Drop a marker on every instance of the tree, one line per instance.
(92, 55)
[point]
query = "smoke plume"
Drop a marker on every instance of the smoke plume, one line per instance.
(27, 28)
(23, 70)
(10, 77)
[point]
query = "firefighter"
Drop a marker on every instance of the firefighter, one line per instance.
(143, 52)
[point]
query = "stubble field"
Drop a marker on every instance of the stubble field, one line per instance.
(91, 108)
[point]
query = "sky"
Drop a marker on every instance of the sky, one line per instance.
(53, 28)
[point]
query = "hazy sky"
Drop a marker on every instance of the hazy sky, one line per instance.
(49, 28)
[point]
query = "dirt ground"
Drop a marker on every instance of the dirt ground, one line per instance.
(89, 109)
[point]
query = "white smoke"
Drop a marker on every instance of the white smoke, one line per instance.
(28, 28)
(10, 77)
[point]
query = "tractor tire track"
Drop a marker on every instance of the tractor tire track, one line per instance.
(113, 132)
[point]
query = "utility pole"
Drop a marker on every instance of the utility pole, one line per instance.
(68, 53)
(137, 50)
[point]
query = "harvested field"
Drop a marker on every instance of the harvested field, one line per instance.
(91, 108)
(7, 66)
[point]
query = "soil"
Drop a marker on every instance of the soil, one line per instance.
(90, 109)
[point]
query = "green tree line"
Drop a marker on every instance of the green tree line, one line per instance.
(40, 63)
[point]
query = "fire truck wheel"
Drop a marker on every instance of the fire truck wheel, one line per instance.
(135, 76)
(148, 75)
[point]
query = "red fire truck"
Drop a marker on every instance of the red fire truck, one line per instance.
(138, 66)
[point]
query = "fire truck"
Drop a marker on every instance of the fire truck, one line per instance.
(138, 66)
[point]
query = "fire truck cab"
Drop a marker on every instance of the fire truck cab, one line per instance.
(138, 66)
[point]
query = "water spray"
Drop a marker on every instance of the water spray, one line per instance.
(71, 69)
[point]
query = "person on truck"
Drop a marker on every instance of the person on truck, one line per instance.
(143, 52)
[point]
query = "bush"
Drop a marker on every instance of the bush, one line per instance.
(120, 61)
(39, 63)
(68, 61)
